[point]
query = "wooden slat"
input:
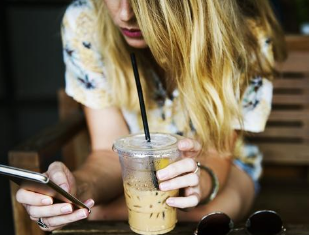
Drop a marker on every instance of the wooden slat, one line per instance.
(51, 139)
(78, 148)
(301, 99)
(289, 115)
(285, 153)
(297, 42)
(297, 62)
(287, 171)
(117, 228)
(292, 83)
(292, 132)
(31, 155)
(182, 228)
(288, 197)
(23, 225)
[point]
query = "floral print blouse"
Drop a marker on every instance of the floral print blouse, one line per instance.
(86, 83)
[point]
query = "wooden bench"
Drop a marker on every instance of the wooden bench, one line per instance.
(286, 138)
(285, 143)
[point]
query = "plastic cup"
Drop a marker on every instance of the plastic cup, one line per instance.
(147, 208)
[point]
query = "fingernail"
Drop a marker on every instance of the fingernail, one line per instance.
(82, 214)
(170, 202)
(162, 174)
(47, 201)
(164, 186)
(89, 203)
(65, 187)
(66, 209)
(183, 144)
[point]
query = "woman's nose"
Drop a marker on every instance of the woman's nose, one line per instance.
(126, 11)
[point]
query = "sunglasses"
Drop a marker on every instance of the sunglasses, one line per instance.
(264, 222)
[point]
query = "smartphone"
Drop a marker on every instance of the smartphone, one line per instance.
(40, 183)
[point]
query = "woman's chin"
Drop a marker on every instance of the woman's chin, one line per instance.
(138, 43)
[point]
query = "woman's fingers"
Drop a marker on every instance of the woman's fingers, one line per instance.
(57, 209)
(188, 180)
(185, 165)
(189, 147)
(53, 210)
(49, 211)
(27, 197)
(89, 203)
(181, 174)
(58, 215)
(48, 229)
(58, 221)
(41, 206)
(57, 173)
(184, 202)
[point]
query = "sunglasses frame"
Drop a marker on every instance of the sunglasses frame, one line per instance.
(231, 223)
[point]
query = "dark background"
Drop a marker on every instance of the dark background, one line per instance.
(31, 72)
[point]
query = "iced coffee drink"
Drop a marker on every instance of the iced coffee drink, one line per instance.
(147, 208)
(148, 212)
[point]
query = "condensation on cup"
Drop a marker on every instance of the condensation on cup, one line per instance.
(147, 208)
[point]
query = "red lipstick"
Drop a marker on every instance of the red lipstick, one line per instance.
(132, 33)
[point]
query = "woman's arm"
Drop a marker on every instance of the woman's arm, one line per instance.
(235, 199)
(220, 164)
(181, 174)
(100, 176)
(235, 196)
(221, 167)
(236, 187)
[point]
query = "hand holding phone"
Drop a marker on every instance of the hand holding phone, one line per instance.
(43, 198)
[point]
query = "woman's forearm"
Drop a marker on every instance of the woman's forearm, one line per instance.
(99, 177)
(235, 200)
(220, 165)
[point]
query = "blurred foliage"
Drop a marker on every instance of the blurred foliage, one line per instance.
(302, 7)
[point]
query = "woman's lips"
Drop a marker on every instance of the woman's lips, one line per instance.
(132, 33)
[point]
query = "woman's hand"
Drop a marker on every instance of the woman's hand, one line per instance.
(42, 207)
(183, 174)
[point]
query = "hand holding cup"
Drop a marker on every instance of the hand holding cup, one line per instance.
(183, 174)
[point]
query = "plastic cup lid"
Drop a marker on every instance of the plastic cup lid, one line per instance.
(160, 143)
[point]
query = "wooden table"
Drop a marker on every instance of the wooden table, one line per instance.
(289, 198)
(122, 228)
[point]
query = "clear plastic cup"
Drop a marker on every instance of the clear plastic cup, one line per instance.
(147, 208)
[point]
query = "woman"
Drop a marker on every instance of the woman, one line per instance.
(199, 60)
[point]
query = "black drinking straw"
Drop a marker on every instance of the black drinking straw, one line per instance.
(141, 98)
(144, 117)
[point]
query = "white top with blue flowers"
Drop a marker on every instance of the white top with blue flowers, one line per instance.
(86, 83)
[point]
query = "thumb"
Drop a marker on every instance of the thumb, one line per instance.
(58, 173)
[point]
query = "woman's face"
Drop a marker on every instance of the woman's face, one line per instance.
(123, 16)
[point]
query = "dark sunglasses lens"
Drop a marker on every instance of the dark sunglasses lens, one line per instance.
(264, 223)
(214, 224)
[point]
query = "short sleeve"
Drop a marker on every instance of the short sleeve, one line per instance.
(85, 79)
(257, 97)
(256, 105)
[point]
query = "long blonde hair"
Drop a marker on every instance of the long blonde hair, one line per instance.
(200, 45)
(261, 19)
